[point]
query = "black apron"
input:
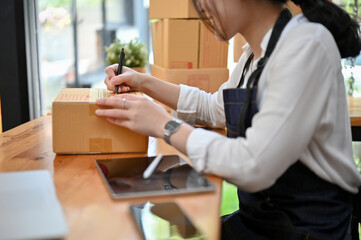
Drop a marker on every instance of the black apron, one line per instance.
(300, 205)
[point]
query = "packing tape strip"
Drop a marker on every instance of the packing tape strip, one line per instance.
(101, 145)
(103, 93)
(94, 94)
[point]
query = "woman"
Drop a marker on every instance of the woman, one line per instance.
(288, 148)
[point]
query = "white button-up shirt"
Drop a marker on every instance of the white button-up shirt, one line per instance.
(303, 115)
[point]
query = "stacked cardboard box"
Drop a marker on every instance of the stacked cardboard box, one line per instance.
(76, 128)
(185, 51)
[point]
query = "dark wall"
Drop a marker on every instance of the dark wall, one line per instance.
(13, 72)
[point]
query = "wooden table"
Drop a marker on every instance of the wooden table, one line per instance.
(90, 211)
(354, 106)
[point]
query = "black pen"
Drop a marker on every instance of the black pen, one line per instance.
(120, 67)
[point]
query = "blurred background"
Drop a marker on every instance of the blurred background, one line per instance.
(71, 37)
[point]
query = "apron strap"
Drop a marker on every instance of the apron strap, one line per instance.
(252, 82)
(245, 69)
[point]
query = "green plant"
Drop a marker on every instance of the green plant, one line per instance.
(136, 54)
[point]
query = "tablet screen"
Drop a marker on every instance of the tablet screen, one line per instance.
(164, 221)
(173, 175)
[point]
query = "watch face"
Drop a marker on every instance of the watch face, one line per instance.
(171, 126)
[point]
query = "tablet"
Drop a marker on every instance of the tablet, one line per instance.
(164, 221)
(124, 177)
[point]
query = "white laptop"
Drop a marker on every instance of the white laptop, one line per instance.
(29, 208)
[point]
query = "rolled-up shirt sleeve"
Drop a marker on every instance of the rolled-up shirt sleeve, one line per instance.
(200, 107)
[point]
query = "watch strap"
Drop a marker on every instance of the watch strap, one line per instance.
(171, 127)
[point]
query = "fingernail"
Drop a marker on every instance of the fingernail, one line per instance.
(97, 112)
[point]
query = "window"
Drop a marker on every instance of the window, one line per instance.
(351, 67)
(70, 36)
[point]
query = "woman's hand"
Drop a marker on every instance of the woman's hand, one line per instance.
(137, 113)
(127, 81)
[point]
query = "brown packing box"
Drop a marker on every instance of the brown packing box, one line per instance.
(172, 9)
(212, 52)
(158, 42)
(207, 79)
(76, 128)
(187, 44)
(239, 41)
(175, 43)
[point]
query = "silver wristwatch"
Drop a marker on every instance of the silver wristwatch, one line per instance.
(171, 127)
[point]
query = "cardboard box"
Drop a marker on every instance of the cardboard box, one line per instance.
(158, 42)
(207, 79)
(76, 128)
(175, 43)
(212, 52)
(187, 44)
(172, 9)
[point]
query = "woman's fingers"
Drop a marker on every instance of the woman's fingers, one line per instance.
(111, 70)
(119, 122)
(111, 113)
(112, 79)
(124, 88)
(120, 101)
(127, 81)
(109, 85)
(134, 112)
(114, 120)
(114, 102)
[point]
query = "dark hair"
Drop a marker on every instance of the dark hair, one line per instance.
(205, 20)
(344, 30)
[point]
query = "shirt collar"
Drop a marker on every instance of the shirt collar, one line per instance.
(294, 21)
(265, 41)
(247, 48)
